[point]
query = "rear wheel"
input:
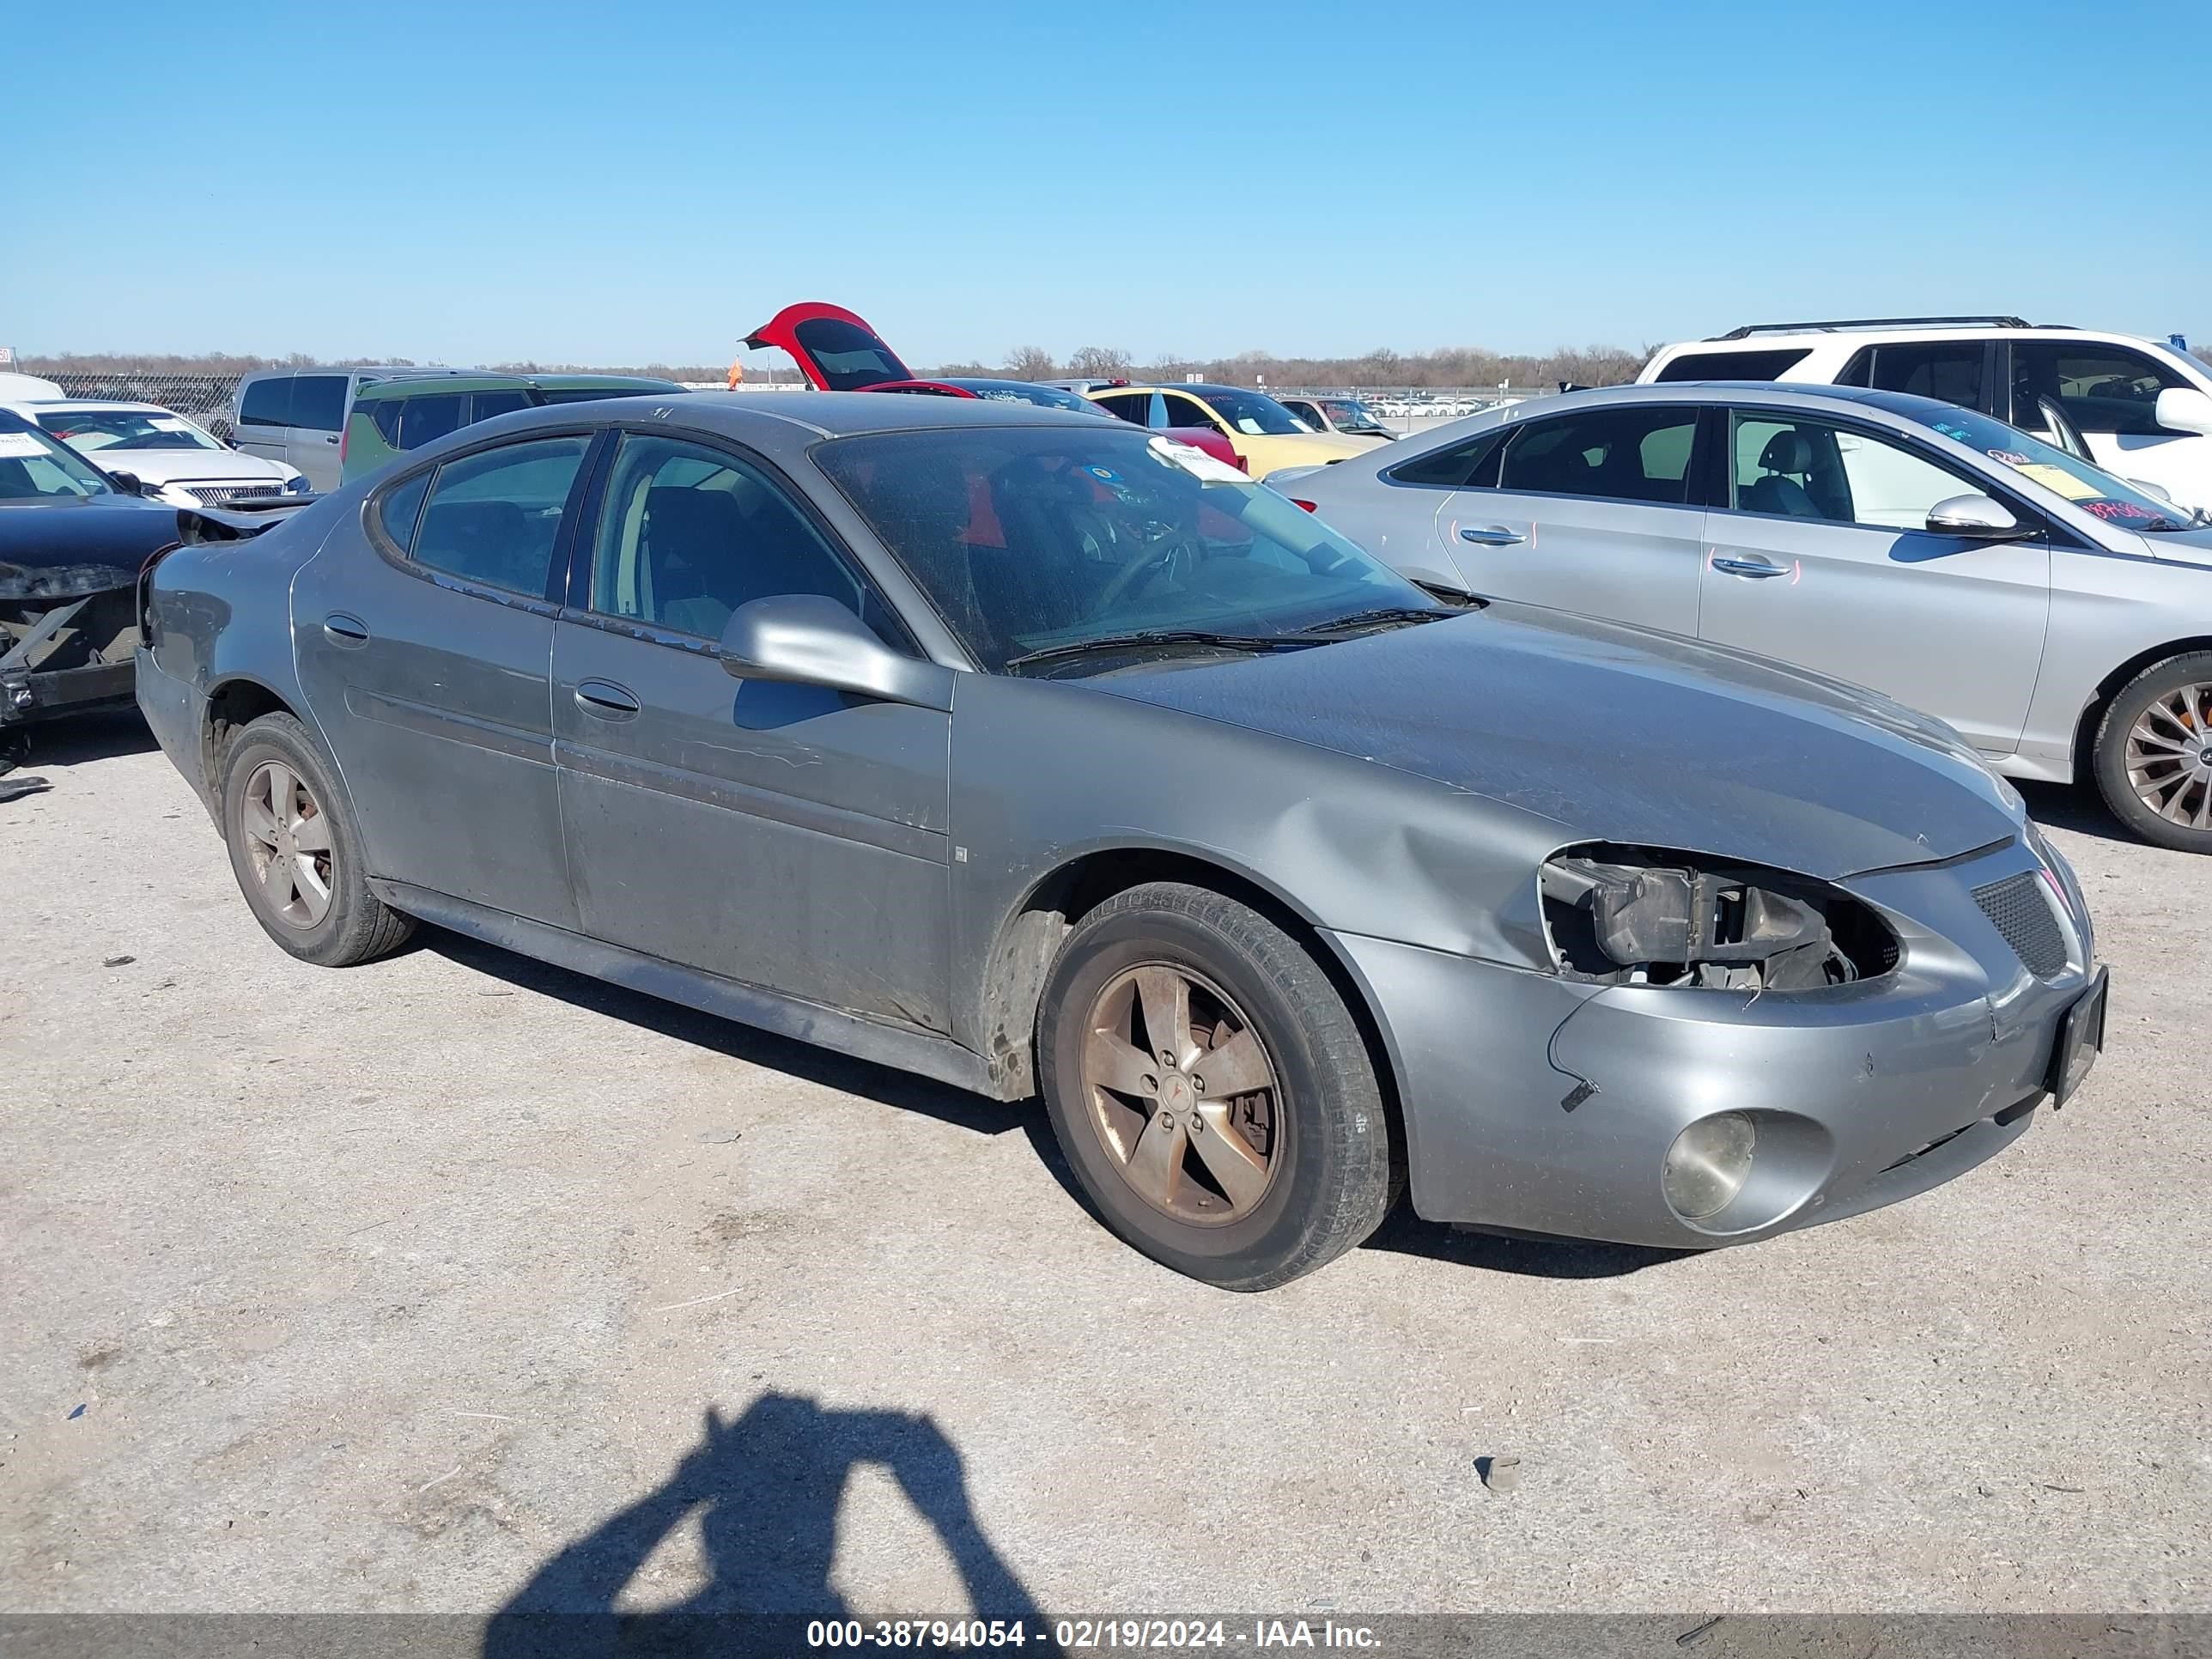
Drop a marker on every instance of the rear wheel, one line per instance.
(1211, 1089)
(2154, 753)
(294, 850)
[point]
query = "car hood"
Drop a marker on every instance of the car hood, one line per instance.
(1619, 734)
(61, 550)
(168, 466)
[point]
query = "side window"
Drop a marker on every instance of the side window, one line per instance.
(1186, 411)
(267, 402)
(1613, 454)
(421, 419)
(689, 534)
(400, 510)
(489, 404)
(319, 402)
(1771, 365)
(1470, 464)
(386, 417)
(1129, 406)
(1801, 469)
(2106, 389)
(1948, 371)
(493, 517)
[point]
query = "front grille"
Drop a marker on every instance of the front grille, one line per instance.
(213, 495)
(2019, 910)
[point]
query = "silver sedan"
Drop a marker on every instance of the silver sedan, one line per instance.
(2058, 618)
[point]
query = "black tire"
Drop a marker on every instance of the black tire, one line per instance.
(356, 926)
(2109, 757)
(1330, 1182)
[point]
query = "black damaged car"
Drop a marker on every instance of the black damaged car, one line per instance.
(72, 540)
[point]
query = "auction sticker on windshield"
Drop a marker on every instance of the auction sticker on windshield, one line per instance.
(21, 443)
(1195, 461)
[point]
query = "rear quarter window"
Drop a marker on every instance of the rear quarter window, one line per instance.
(1771, 365)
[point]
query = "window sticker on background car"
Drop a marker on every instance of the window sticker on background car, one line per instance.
(2118, 510)
(21, 443)
(2009, 456)
(168, 423)
(1196, 462)
(2058, 480)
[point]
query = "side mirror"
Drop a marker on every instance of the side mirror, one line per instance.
(2185, 408)
(1977, 516)
(127, 483)
(806, 639)
(2157, 491)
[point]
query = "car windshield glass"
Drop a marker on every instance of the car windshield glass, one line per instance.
(35, 468)
(849, 358)
(1251, 412)
(1029, 539)
(1350, 415)
(1049, 396)
(89, 430)
(2089, 487)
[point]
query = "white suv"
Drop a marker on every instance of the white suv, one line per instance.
(2136, 408)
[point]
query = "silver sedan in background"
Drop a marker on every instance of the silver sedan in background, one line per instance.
(2058, 618)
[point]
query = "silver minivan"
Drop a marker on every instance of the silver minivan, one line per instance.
(298, 416)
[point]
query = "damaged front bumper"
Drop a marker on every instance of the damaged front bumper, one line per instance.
(66, 642)
(1538, 1103)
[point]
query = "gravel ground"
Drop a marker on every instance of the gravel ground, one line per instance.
(453, 1278)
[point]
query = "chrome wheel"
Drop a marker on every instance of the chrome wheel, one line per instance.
(1182, 1095)
(2169, 756)
(287, 844)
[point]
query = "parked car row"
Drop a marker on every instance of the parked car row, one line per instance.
(1047, 755)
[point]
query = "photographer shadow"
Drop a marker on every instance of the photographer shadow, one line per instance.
(768, 1486)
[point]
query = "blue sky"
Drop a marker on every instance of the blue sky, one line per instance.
(646, 181)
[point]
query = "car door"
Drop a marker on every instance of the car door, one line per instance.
(425, 644)
(1820, 555)
(786, 836)
(264, 417)
(1593, 511)
(315, 428)
(2110, 393)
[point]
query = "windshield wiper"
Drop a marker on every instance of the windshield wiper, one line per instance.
(1198, 637)
(1384, 618)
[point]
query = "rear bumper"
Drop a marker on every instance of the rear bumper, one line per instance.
(1538, 1105)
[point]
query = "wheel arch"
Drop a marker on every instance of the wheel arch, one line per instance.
(234, 702)
(2092, 712)
(1027, 940)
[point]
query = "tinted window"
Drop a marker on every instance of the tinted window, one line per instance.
(267, 402)
(386, 415)
(1186, 412)
(1616, 454)
(1733, 365)
(421, 419)
(689, 534)
(2106, 389)
(1949, 373)
(1457, 467)
(1129, 406)
(319, 402)
(848, 357)
(489, 404)
(1802, 469)
(402, 507)
(493, 517)
(1252, 412)
(1026, 538)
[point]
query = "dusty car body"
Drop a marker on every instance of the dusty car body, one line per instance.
(1588, 931)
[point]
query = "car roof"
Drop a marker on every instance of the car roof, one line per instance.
(445, 386)
(578, 382)
(60, 405)
(756, 415)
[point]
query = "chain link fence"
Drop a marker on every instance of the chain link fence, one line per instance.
(204, 399)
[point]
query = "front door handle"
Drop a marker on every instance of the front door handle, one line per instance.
(1748, 566)
(342, 628)
(1491, 535)
(606, 700)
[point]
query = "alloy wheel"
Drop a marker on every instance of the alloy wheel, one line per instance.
(1182, 1095)
(2169, 756)
(287, 844)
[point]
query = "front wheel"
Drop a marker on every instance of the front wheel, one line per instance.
(1211, 1089)
(2154, 753)
(296, 852)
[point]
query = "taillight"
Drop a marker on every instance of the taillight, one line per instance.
(1309, 506)
(345, 437)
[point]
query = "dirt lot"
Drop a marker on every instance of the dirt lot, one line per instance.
(455, 1279)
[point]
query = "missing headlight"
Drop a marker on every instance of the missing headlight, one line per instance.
(1639, 916)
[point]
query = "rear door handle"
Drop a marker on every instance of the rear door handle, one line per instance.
(345, 629)
(1489, 535)
(604, 700)
(1748, 566)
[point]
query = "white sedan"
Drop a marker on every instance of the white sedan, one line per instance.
(173, 459)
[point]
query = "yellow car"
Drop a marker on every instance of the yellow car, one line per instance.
(1264, 435)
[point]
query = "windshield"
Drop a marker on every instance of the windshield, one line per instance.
(86, 430)
(1026, 538)
(1251, 412)
(1048, 397)
(35, 468)
(2089, 487)
(1353, 416)
(850, 359)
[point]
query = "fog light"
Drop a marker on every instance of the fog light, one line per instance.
(1706, 1166)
